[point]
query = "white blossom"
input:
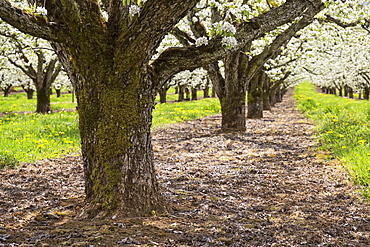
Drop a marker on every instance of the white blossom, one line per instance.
(134, 10)
(105, 15)
(201, 41)
(224, 27)
(41, 11)
(229, 42)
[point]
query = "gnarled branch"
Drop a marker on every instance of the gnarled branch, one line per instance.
(34, 25)
(177, 59)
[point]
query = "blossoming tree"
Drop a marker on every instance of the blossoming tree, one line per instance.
(106, 48)
(34, 58)
(335, 49)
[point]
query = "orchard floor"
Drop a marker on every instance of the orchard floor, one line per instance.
(263, 187)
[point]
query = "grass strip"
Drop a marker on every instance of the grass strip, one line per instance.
(343, 128)
(32, 137)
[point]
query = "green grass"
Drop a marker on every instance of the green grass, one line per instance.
(32, 137)
(169, 113)
(343, 128)
(19, 103)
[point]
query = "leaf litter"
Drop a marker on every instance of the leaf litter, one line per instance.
(267, 186)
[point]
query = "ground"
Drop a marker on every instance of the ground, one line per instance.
(268, 186)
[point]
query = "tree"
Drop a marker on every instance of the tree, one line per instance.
(334, 53)
(240, 70)
(110, 65)
(10, 77)
(35, 58)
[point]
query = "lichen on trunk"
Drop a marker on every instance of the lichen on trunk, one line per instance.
(115, 110)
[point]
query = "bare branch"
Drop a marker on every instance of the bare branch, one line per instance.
(339, 22)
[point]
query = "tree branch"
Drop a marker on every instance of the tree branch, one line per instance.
(34, 25)
(174, 60)
(182, 36)
(339, 22)
(146, 32)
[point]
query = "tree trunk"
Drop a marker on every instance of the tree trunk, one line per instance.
(7, 91)
(163, 93)
(187, 93)
(213, 93)
(116, 144)
(115, 102)
(350, 92)
(30, 93)
(194, 92)
(255, 97)
(345, 91)
(206, 90)
(340, 89)
(181, 93)
(59, 92)
(366, 93)
(266, 93)
(233, 112)
(233, 97)
(43, 100)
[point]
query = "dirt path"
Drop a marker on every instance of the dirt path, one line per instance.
(263, 187)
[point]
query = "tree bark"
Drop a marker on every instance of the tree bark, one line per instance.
(7, 90)
(255, 96)
(206, 90)
(59, 92)
(163, 93)
(266, 94)
(119, 169)
(194, 93)
(29, 92)
(233, 98)
(181, 93)
(366, 93)
(43, 100)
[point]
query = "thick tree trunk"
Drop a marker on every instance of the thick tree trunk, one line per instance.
(255, 97)
(115, 123)
(233, 112)
(43, 100)
(6, 93)
(345, 91)
(350, 92)
(115, 97)
(233, 97)
(340, 89)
